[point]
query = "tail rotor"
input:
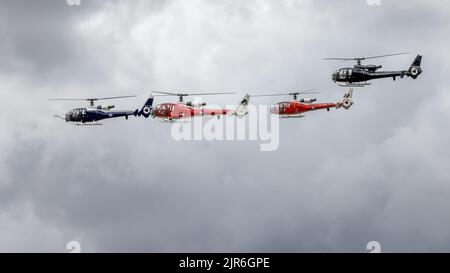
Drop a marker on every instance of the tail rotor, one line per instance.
(241, 109)
(415, 70)
(346, 102)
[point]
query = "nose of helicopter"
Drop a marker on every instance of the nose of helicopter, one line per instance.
(274, 109)
(334, 76)
(153, 112)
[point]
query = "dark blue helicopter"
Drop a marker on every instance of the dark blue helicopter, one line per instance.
(91, 115)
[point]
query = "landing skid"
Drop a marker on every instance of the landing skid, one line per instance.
(363, 84)
(174, 120)
(291, 116)
(88, 124)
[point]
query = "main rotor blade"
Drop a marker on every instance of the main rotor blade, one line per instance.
(305, 93)
(365, 58)
(340, 59)
(117, 97)
(68, 99)
(165, 93)
(309, 91)
(191, 94)
(95, 99)
(387, 55)
(211, 93)
(270, 95)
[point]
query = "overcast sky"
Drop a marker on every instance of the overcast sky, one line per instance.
(379, 171)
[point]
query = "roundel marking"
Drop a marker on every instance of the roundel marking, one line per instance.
(414, 71)
(146, 110)
(347, 102)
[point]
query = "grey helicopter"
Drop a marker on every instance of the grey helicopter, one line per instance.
(359, 74)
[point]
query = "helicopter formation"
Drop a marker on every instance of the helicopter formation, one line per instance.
(356, 76)
(182, 111)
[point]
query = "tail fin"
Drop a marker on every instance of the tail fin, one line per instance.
(415, 69)
(146, 109)
(242, 108)
(346, 102)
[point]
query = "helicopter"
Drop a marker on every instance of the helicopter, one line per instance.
(297, 107)
(359, 74)
(180, 111)
(94, 113)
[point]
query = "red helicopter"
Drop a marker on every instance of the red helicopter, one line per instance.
(181, 111)
(296, 108)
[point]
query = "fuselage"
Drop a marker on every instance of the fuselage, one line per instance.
(176, 111)
(84, 115)
(351, 75)
(296, 108)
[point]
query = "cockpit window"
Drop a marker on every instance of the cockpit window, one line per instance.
(166, 107)
(282, 106)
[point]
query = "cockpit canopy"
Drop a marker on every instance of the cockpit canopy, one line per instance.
(163, 109)
(335, 75)
(76, 114)
(279, 108)
(342, 74)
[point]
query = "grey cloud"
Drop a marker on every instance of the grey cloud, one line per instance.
(338, 180)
